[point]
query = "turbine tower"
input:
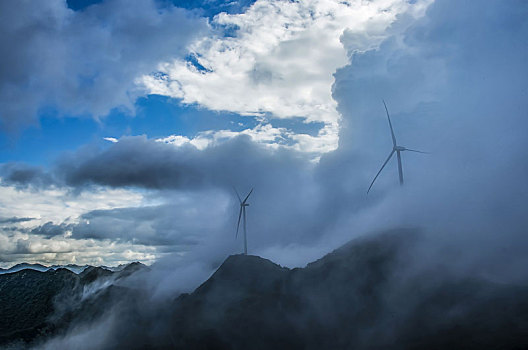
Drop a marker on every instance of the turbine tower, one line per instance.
(395, 149)
(242, 213)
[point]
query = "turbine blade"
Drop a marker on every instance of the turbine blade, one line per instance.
(383, 166)
(249, 194)
(400, 168)
(239, 217)
(238, 196)
(390, 124)
(413, 150)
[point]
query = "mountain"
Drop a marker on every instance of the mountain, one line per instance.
(360, 296)
(37, 304)
(38, 267)
(72, 267)
(368, 294)
(22, 266)
(27, 300)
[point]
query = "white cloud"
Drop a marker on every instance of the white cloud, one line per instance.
(22, 247)
(262, 133)
(57, 205)
(280, 64)
(18, 244)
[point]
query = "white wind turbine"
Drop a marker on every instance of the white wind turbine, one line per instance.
(243, 205)
(395, 149)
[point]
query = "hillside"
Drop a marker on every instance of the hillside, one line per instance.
(364, 295)
(38, 303)
(355, 297)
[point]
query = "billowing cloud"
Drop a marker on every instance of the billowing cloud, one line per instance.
(277, 61)
(454, 84)
(84, 62)
(449, 90)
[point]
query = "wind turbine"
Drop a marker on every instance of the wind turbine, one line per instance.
(395, 149)
(243, 205)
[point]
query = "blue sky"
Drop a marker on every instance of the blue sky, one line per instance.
(155, 116)
(54, 132)
(123, 129)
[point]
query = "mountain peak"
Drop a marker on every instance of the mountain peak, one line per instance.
(248, 273)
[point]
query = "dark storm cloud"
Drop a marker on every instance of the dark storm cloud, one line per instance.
(138, 161)
(50, 229)
(14, 220)
(82, 63)
(158, 225)
(134, 161)
(197, 190)
(23, 175)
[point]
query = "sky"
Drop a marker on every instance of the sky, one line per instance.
(123, 129)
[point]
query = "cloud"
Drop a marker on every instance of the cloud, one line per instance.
(83, 63)
(454, 86)
(263, 133)
(278, 61)
(49, 230)
(177, 224)
(59, 204)
(14, 220)
(23, 175)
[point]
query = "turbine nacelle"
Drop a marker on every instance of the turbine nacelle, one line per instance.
(399, 148)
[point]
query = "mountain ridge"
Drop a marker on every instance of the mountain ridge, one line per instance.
(38, 303)
(77, 269)
(357, 297)
(354, 297)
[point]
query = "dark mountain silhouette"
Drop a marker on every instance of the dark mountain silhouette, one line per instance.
(27, 300)
(37, 304)
(365, 295)
(357, 297)
(72, 267)
(93, 273)
(22, 266)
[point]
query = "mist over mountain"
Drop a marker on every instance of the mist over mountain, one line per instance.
(367, 294)
(38, 303)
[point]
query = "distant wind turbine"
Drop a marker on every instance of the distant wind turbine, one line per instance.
(243, 205)
(395, 149)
